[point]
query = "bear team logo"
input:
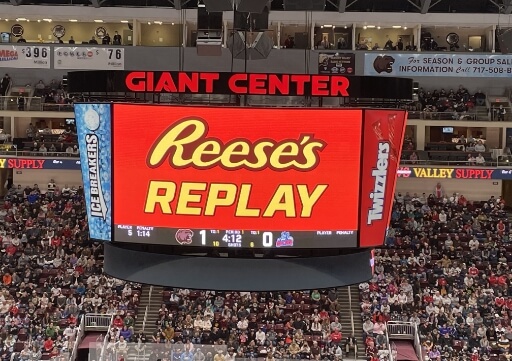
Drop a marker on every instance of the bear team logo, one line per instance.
(184, 236)
(383, 64)
(286, 240)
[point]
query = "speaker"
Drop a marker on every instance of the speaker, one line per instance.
(250, 45)
(251, 6)
(251, 21)
(504, 37)
(304, 5)
(218, 5)
(207, 20)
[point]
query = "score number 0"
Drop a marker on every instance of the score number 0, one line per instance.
(267, 238)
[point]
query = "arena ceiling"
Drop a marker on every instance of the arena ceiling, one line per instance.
(411, 6)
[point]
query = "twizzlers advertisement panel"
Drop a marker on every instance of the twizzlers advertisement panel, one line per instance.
(197, 168)
(382, 144)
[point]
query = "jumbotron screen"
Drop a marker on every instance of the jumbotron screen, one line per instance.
(239, 177)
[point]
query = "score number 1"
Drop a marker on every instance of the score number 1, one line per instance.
(267, 238)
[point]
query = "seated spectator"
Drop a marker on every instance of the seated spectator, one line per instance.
(480, 160)
(479, 147)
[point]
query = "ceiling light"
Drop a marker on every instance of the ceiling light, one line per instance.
(370, 26)
(48, 20)
(172, 23)
(345, 26)
(321, 27)
(125, 21)
(327, 26)
(149, 22)
(405, 27)
(365, 27)
(73, 20)
(98, 21)
(200, 5)
(333, 27)
(157, 22)
(6, 19)
(28, 20)
(378, 27)
(21, 19)
(396, 26)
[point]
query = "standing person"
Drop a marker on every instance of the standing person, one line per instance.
(6, 80)
(117, 39)
(21, 102)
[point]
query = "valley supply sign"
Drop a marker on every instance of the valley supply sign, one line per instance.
(454, 65)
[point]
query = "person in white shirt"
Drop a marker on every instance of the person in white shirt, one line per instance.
(207, 324)
(469, 319)
(479, 147)
(473, 244)
(198, 322)
(480, 160)
(261, 337)
(242, 324)
(442, 217)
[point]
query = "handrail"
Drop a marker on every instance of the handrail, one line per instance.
(147, 308)
(35, 153)
(145, 318)
(503, 163)
(78, 338)
(106, 339)
(32, 103)
(391, 355)
(351, 312)
(417, 343)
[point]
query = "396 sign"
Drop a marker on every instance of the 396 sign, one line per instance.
(35, 52)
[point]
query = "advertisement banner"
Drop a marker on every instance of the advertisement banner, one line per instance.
(454, 173)
(27, 56)
(383, 136)
(444, 64)
(93, 122)
(179, 82)
(40, 163)
(336, 63)
(195, 170)
(88, 58)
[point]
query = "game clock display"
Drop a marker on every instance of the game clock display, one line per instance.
(234, 238)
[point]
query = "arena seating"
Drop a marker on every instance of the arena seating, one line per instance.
(51, 273)
(446, 267)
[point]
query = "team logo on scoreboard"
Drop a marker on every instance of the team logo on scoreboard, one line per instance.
(285, 240)
(184, 236)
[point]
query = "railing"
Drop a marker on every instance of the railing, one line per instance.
(351, 313)
(147, 308)
(417, 343)
(451, 116)
(33, 104)
(501, 161)
(391, 348)
(79, 335)
(407, 331)
(98, 322)
(104, 346)
(14, 152)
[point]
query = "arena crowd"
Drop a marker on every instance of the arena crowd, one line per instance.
(445, 267)
(51, 273)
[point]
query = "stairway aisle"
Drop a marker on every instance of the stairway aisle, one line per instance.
(345, 318)
(151, 297)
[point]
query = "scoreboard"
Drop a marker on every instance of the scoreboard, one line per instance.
(229, 177)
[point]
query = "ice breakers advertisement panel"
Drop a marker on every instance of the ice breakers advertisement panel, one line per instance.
(93, 123)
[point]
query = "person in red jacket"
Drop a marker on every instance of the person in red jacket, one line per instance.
(48, 344)
(118, 322)
(336, 337)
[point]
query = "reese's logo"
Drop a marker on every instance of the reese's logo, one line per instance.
(186, 144)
